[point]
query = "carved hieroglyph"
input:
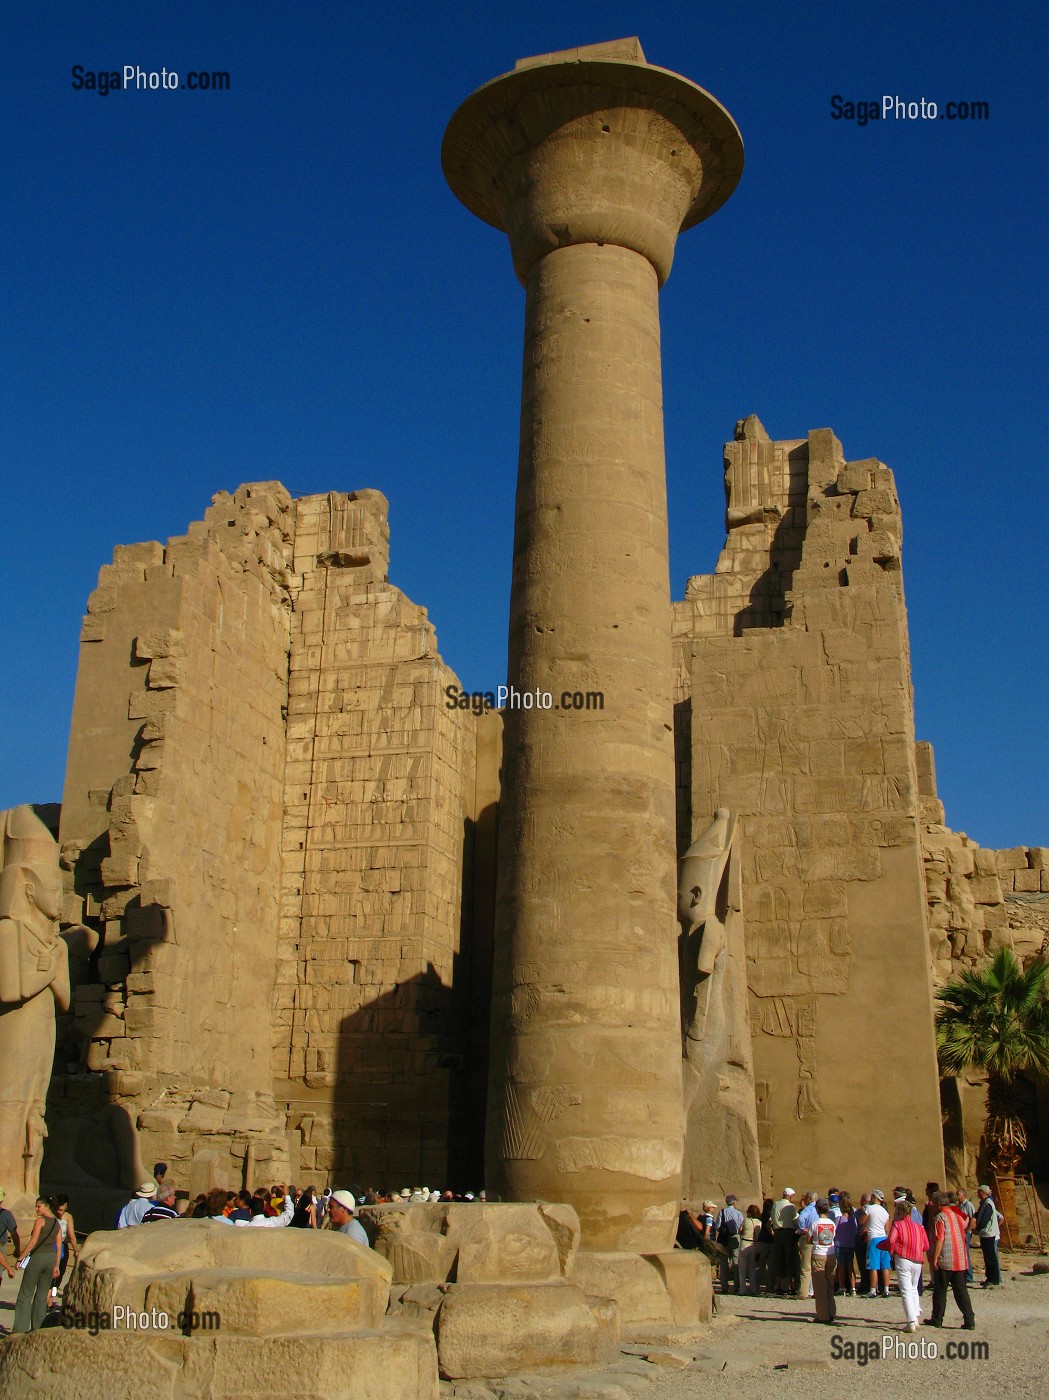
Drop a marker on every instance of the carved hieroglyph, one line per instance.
(721, 1133)
(591, 161)
(34, 976)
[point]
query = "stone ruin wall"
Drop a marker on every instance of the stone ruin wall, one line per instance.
(171, 816)
(264, 821)
(259, 730)
(378, 790)
(794, 709)
(979, 901)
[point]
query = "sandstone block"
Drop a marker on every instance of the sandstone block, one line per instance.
(935, 886)
(182, 1259)
(53, 1364)
(854, 477)
(492, 1243)
(1038, 857)
(1026, 881)
(651, 1289)
(986, 889)
(254, 1305)
(493, 1329)
(1013, 859)
(985, 862)
(961, 860)
(202, 1118)
(874, 502)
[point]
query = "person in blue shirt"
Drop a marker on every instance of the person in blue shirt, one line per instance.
(728, 1227)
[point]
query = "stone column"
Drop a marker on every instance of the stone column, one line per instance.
(591, 161)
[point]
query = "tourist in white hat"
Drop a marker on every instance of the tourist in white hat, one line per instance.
(136, 1208)
(341, 1208)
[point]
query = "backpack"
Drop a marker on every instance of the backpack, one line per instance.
(728, 1231)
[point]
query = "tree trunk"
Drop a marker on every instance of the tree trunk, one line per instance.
(1006, 1141)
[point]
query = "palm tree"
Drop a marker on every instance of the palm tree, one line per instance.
(997, 1020)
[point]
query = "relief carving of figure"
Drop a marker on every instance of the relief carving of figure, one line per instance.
(34, 979)
(721, 1147)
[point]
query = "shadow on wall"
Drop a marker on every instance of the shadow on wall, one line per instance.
(412, 1065)
(398, 1060)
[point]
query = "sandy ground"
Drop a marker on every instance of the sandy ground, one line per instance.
(770, 1349)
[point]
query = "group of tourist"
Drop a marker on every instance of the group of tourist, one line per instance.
(53, 1239)
(267, 1206)
(824, 1247)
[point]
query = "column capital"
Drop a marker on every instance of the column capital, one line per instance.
(592, 146)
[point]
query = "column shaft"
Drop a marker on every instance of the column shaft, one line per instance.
(586, 1017)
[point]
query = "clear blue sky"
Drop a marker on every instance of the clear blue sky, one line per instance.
(204, 289)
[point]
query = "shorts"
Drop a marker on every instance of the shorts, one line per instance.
(876, 1256)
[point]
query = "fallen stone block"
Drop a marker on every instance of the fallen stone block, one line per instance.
(53, 1364)
(669, 1289)
(252, 1277)
(494, 1329)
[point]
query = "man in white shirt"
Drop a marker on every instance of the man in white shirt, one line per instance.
(261, 1220)
(878, 1262)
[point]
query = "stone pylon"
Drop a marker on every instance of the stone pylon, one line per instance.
(591, 161)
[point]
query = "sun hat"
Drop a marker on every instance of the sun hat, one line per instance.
(147, 1190)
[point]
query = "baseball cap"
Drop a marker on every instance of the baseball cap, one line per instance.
(730, 1200)
(344, 1199)
(880, 1195)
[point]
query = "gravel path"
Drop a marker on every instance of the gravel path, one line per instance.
(768, 1348)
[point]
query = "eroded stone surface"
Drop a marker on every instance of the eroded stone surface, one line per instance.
(474, 1243)
(259, 1281)
(54, 1364)
(670, 1289)
(492, 1329)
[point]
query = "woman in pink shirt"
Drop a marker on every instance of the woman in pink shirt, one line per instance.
(908, 1244)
